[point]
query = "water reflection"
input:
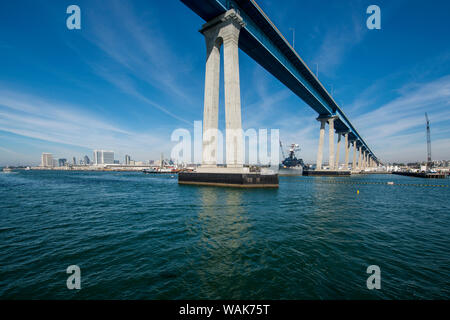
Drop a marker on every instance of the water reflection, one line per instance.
(224, 238)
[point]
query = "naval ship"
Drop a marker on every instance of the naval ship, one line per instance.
(291, 166)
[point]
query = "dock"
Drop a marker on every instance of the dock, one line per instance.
(422, 175)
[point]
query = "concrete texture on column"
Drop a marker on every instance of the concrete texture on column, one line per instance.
(225, 30)
(331, 142)
(211, 98)
(359, 160)
(321, 138)
(346, 148)
(233, 122)
(338, 148)
(361, 166)
(355, 150)
(365, 160)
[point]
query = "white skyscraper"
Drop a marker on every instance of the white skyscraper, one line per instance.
(103, 157)
(46, 160)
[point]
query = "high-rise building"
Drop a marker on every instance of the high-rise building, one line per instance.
(46, 160)
(108, 157)
(86, 160)
(98, 157)
(74, 161)
(103, 157)
(62, 162)
(127, 159)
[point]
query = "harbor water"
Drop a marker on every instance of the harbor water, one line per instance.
(137, 236)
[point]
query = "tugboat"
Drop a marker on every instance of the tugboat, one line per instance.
(291, 166)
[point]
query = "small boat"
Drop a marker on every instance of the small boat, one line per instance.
(147, 171)
(7, 170)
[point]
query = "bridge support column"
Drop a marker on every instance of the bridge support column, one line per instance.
(211, 100)
(355, 150)
(364, 159)
(359, 160)
(224, 30)
(234, 134)
(331, 142)
(347, 147)
(321, 138)
(338, 148)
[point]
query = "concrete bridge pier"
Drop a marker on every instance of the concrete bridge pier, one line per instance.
(323, 121)
(224, 31)
(331, 142)
(363, 161)
(359, 160)
(366, 162)
(338, 148)
(333, 163)
(347, 149)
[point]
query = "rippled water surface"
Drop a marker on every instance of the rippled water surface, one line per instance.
(143, 236)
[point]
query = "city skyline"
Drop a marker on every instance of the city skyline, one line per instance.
(128, 160)
(127, 86)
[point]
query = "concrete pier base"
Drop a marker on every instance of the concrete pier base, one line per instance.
(327, 173)
(224, 177)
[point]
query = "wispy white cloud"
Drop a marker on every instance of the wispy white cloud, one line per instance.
(61, 123)
(139, 46)
(125, 84)
(399, 125)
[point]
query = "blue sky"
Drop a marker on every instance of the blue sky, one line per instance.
(135, 72)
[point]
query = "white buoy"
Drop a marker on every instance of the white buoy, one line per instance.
(390, 182)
